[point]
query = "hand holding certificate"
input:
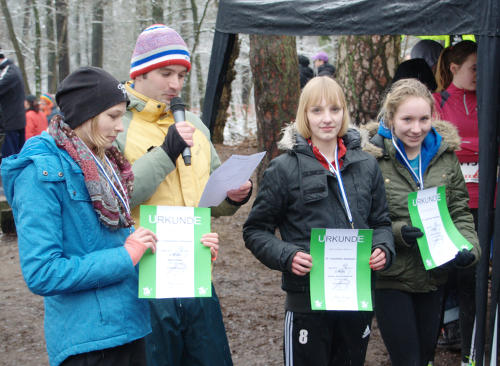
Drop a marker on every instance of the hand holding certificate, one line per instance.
(181, 266)
(340, 278)
(441, 240)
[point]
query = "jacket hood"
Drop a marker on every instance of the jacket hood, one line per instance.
(292, 139)
(446, 130)
(34, 149)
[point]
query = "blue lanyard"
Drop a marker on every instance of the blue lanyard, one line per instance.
(419, 177)
(124, 198)
(336, 171)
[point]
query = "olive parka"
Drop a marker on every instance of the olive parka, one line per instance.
(407, 272)
(297, 194)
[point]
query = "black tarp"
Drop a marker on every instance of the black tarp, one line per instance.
(364, 17)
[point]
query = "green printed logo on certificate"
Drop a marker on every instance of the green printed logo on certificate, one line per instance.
(441, 240)
(181, 266)
(340, 277)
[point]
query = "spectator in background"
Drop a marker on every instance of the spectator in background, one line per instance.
(456, 102)
(306, 73)
(36, 122)
(416, 68)
(429, 50)
(48, 106)
(13, 119)
(321, 65)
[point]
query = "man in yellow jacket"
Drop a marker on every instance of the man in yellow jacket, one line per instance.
(185, 331)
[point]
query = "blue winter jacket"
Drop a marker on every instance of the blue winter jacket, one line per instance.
(78, 265)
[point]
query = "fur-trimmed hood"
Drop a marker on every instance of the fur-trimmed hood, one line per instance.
(291, 138)
(445, 129)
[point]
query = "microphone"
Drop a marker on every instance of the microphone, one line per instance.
(177, 107)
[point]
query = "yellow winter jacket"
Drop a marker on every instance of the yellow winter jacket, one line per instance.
(158, 181)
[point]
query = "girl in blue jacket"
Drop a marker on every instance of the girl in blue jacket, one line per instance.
(69, 190)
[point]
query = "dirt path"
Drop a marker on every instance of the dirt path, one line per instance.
(250, 295)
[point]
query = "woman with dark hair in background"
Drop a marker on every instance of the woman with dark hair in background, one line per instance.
(456, 102)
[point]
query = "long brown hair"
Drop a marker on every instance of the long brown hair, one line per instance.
(456, 54)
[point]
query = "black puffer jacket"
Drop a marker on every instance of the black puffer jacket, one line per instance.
(13, 115)
(297, 193)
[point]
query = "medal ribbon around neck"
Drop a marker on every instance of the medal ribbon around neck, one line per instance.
(336, 170)
(123, 198)
(419, 177)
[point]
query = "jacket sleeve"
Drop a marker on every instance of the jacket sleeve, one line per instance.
(259, 229)
(458, 206)
(149, 171)
(8, 79)
(379, 219)
(47, 269)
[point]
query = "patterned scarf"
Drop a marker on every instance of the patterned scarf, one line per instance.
(108, 207)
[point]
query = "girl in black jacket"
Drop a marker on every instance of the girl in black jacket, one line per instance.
(300, 190)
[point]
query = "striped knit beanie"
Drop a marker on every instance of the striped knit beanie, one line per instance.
(158, 46)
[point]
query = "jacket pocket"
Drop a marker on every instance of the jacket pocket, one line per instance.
(314, 186)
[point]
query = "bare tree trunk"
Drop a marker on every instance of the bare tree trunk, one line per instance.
(97, 33)
(197, 60)
(15, 43)
(77, 25)
(51, 47)
(186, 94)
(28, 5)
(366, 65)
(38, 46)
(157, 11)
(169, 13)
(62, 37)
(274, 64)
(225, 99)
(141, 14)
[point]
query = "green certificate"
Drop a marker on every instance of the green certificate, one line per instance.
(181, 266)
(441, 240)
(340, 277)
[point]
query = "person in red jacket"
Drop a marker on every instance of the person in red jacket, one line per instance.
(36, 121)
(456, 102)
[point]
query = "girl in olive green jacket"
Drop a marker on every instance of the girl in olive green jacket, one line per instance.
(415, 153)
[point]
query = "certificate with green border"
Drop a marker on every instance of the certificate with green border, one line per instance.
(181, 266)
(441, 240)
(340, 278)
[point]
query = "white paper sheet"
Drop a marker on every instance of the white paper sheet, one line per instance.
(230, 175)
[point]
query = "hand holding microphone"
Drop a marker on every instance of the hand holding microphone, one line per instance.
(180, 134)
(177, 107)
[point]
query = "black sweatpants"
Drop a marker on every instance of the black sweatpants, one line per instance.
(326, 338)
(409, 324)
(130, 354)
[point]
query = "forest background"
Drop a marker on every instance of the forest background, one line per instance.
(49, 38)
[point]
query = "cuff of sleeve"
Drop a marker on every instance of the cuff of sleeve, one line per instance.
(398, 237)
(247, 198)
(388, 256)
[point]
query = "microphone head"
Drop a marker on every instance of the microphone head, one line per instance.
(176, 104)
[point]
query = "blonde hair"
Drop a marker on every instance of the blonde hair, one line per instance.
(317, 89)
(87, 131)
(398, 93)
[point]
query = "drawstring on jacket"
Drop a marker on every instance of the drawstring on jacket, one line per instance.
(465, 105)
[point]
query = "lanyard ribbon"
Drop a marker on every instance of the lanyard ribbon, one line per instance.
(419, 178)
(336, 170)
(123, 198)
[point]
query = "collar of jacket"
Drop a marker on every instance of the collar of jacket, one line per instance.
(453, 89)
(6, 62)
(150, 109)
(294, 142)
(373, 142)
